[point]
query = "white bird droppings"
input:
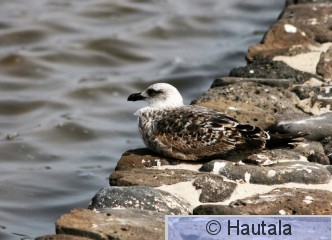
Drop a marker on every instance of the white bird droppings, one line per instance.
(217, 166)
(247, 177)
(271, 173)
(282, 212)
(308, 199)
(158, 163)
(232, 108)
(290, 28)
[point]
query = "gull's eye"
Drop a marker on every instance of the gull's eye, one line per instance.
(151, 92)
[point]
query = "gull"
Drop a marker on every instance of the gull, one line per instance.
(188, 132)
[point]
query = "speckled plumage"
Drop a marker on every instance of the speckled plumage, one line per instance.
(191, 132)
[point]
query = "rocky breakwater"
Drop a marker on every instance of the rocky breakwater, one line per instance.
(285, 88)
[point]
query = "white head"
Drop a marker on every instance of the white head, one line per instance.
(159, 95)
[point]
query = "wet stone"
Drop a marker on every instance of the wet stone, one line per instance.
(279, 173)
(151, 177)
(319, 127)
(113, 224)
(142, 158)
(273, 101)
(280, 201)
(139, 197)
(270, 69)
(214, 188)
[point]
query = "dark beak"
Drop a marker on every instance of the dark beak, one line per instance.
(135, 97)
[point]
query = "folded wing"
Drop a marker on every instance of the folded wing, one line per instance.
(197, 133)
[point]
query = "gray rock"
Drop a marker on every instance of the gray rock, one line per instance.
(274, 82)
(315, 100)
(319, 158)
(313, 151)
(327, 144)
(319, 127)
(329, 168)
(121, 224)
(305, 91)
(139, 197)
(280, 201)
(271, 157)
(273, 101)
(272, 70)
(151, 177)
(307, 148)
(299, 172)
(209, 209)
(214, 188)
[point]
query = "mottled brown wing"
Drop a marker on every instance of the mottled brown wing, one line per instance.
(196, 133)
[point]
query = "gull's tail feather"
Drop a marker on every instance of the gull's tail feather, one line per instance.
(278, 140)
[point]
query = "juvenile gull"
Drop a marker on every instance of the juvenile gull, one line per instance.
(186, 132)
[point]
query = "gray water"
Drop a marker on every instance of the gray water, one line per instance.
(66, 69)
